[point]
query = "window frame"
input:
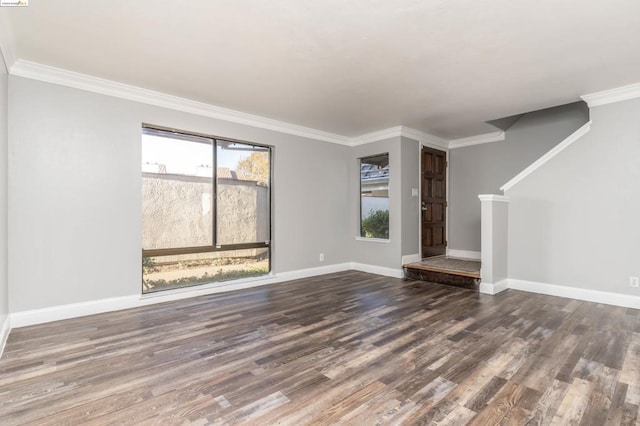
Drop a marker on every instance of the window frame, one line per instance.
(214, 247)
(361, 235)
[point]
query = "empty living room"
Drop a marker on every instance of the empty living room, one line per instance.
(310, 213)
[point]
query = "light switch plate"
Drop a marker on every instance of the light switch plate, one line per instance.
(414, 192)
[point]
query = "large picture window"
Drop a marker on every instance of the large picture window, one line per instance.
(374, 196)
(206, 209)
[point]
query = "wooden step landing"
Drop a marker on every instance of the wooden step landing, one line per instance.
(446, 270)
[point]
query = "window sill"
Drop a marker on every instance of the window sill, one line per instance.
(373, 240)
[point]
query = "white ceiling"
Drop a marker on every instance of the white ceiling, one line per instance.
(346, 66)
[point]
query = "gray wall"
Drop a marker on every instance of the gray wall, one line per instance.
(385, 254)
(4, 286)
(410, 152)
(483, 169)
(574, 221)
(75, 199)
(403, 208)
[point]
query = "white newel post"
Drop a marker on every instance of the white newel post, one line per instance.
(494, 234)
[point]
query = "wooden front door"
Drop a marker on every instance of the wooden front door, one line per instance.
(434, 202)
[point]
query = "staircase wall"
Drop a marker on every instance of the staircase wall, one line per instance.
(575, 221)
(482, 169)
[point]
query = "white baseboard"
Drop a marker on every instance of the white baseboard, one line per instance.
(411, 258)
(486, 288)
(55, 313)
(5, 328)
(73, 310)
(465, 254)
(312, 272)
(379, 270)
(608, 298)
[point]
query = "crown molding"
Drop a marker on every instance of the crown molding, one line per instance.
(400, 131)
(613, 95)
(6, 42)
(49, 74)
(477, 140)
(125, 91)
(424, 138)
(376, 136)
(102, 86)
(548, 156)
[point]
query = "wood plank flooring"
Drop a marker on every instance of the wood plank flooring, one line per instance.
(345, 348)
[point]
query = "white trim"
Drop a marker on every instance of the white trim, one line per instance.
(125, 91)
(49, 74)
(613, 95)
(55, 313)
(464, 254)
(399, 131)
(548, 156)
(312, 272)
(493, 247)
(5, 329)
(492, 289)
(596, 296)
(477, 140)
(6, 42)
(411, 258)
(380, 135)
(378, 270)
(493, 197)
(425, 138)
(38, 316)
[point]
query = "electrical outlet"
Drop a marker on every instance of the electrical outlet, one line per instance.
(321, 257)
(634, 282)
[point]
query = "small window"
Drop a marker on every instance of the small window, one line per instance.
(374, 196)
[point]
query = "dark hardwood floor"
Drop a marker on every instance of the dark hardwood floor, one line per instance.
(346, 348)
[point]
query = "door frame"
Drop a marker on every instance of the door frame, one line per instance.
(447, 186)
